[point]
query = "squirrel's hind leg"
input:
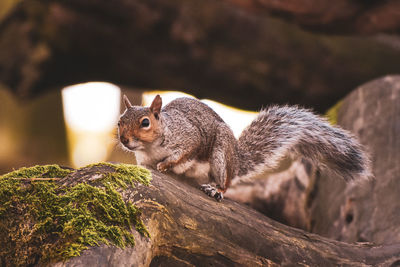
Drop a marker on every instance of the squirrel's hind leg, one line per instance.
(218, 174)
(222, 163)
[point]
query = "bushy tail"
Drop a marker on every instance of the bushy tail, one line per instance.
(279, 132)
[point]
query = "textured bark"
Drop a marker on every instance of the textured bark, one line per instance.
(366, 212)
(208, 48)
(282, 196)
(188, 228)
(316, 201)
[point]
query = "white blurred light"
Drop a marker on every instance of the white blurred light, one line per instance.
(166, 96)
(91, 106)
(237, 119)
(89, 149)
(91, 112)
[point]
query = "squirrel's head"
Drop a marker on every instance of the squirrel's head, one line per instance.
(138, 125)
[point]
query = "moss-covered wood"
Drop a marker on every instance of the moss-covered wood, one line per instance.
(185, 226)
(188, 228)
(42, 220)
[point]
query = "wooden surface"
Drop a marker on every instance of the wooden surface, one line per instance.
(188, 228)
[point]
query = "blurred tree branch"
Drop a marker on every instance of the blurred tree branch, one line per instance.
(340, 17)
(210, 48)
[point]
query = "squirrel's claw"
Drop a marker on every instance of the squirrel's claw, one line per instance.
(219, 196)
(212, 191)
(162, 167)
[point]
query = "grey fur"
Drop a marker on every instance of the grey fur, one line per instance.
(284, 131)
(191, 134)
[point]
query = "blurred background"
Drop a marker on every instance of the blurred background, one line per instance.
(77, 126)
(64, 65)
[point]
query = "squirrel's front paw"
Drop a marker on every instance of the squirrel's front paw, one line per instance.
(212, 191)
(163, 166)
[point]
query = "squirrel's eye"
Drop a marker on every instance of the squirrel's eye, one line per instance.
(145, 123)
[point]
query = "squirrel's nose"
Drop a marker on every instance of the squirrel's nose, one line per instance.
(124, 140)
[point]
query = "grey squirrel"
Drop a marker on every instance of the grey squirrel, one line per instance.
(188, 137)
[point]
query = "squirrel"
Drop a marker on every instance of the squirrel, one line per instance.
(187, 137)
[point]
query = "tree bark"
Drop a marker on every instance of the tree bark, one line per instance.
(366, 212)
(188, 228)
(322, 203)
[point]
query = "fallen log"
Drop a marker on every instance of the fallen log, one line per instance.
(178, 225)
(188, 228)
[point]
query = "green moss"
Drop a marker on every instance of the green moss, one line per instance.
(125, 174)
(42, 222)
(331, 114)
(45, 171)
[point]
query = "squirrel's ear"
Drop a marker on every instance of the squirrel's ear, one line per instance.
(156, 106)
(127, 102)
